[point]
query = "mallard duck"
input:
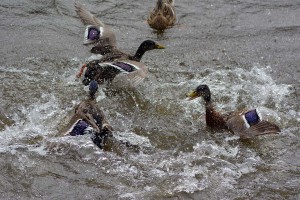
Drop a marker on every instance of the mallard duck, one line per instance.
(105, 39)
(89, 118)
(246, 124)
(133, 71)
(163, 15)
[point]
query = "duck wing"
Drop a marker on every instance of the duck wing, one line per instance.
(248, 124)
(85, 111)
(169, 13)
(86, 16)
(106, 38)
(126, 72)
(261, 128)
(139, 73)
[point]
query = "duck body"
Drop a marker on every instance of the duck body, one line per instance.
(105, 40)
(131, 70)
(88, 118)
(163, 15)
(247, 124)
(213, 118)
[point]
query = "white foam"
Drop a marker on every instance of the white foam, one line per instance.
(40, 119)
(189, 172)
(133, 138)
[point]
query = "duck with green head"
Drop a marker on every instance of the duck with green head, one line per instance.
(246, 124)
(113, 60)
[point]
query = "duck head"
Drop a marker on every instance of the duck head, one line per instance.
(150, 45)
(200, 91)
(93, 87)
(147, 45)
(160, 3)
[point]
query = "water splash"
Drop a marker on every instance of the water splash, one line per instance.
(41, 118)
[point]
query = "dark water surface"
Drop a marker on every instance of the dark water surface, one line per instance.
(248, 52)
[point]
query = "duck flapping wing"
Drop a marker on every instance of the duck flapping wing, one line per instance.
(96, 31)
(132, 72)
(129, 72)
(250, 124)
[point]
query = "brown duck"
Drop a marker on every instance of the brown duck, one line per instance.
(105, 39)
(247, 124)
(163, 15)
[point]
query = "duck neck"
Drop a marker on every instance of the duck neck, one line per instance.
(139, 54)
(159, 4)
(213, 118)
(92, 95)
(209, 108)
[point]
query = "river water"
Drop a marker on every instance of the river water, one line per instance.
(248, 52)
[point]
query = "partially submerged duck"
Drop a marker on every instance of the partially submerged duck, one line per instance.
(90, 119)
(246, 124)
(163, 15)
(127, 72)
(105, 39)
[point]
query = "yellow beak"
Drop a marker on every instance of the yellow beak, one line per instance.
(192, 95)
(158, 46)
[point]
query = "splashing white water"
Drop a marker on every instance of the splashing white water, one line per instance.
(40, 119)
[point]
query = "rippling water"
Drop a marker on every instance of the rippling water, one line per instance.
(247, 52)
